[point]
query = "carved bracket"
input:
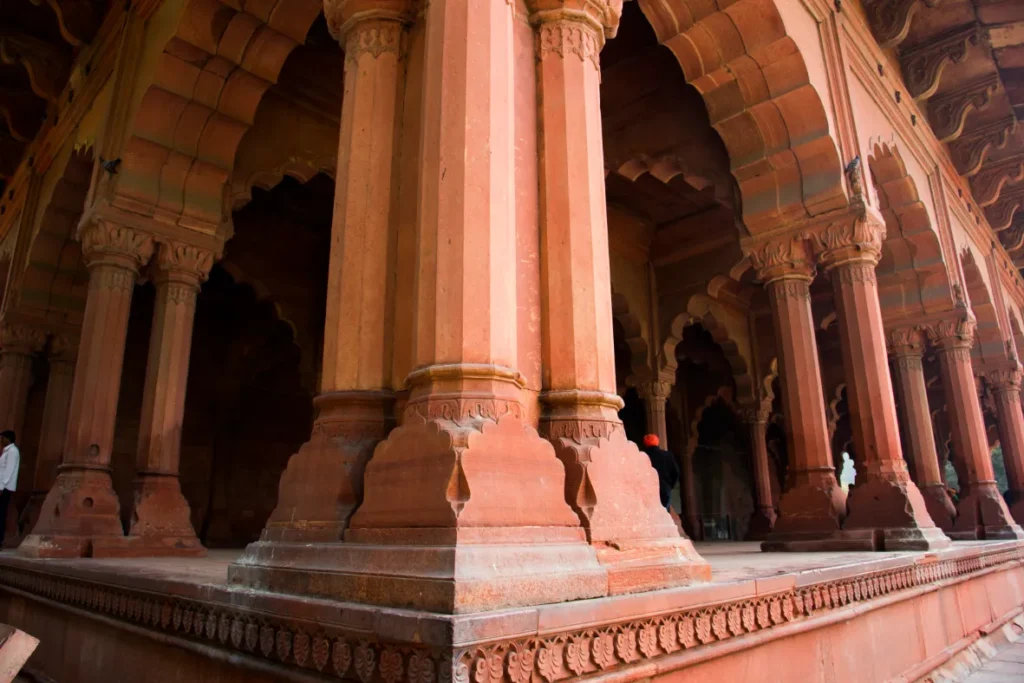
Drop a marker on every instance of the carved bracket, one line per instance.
(969, 152)
(890, 19)
(78, 20)
(987, 184)
(47, 66)
(923, 65)
(948, 112)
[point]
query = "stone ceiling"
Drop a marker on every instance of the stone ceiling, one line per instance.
(963, 61)
(38, 43)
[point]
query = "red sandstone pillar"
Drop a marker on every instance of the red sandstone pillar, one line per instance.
(463, 504)
(886, 509)
(906, 347)
(812, 507)
(161, 519)
(323, 482)
(763, 518)
(63, 351)
(609, 482)
(82, 506)
(18, 343)
(655, 393)
(982, 513)
(1005, 386)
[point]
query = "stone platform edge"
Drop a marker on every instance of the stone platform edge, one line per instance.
(619, 638)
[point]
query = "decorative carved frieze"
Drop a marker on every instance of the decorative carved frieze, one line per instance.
(612, 648)
(988, 183)
(47, 67)
(969, 151)
(923, 65)
(890, 19)
(948, 112)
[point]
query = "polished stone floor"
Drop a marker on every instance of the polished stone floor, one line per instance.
(1006, 667)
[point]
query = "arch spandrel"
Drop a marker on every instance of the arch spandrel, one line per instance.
(755, 84)
(201, 99)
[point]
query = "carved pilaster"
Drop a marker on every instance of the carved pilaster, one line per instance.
(924, 64)
(968, 152)
(989, 182)
(948, 112)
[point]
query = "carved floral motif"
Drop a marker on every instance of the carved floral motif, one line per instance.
(350, 656)
(923, 65)
(568, 37)
(103, 241)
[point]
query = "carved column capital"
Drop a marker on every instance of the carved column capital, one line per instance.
(756, 414)
(564, 22)
(782, 258)
(64, 347)
(905, 341)
(654, 390)
(369, 26)
(954, 333)
(21, 339)
(106, 243)
(856, 238)
(183, 263)
(1006, 380)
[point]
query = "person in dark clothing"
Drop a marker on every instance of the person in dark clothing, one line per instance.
(664, 463)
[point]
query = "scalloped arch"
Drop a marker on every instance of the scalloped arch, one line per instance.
(262, 293)
(759, 97)
(700, 309)
(989, 344)
(639, 349)
(301, 171)
(209, 81)
(52, 282)
(912, 244)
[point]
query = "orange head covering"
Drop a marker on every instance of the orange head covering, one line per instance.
(651, 440)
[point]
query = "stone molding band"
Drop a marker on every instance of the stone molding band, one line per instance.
(345, 654)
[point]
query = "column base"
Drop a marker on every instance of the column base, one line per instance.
(161, 523)
(762, 521)
(450, 571)
(892, 513)
(939, 506)
(80, 509)
(30, 515)
(811, 517)
(983, 515)
(651, 565)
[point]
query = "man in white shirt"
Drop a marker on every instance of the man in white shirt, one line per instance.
(10, 459)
